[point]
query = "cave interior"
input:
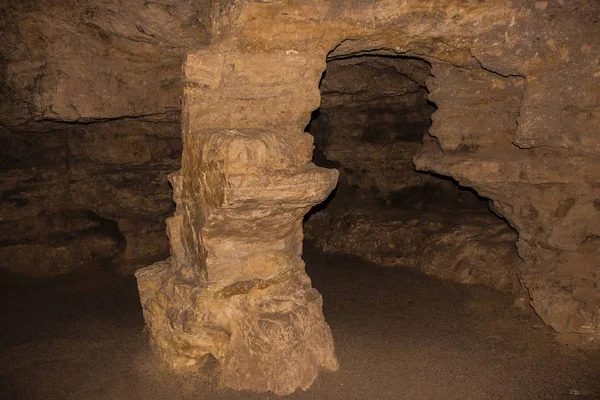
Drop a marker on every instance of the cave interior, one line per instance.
(374, 114)
(349, 211)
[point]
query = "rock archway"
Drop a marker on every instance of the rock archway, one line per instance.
(507, 125)
(373, 117)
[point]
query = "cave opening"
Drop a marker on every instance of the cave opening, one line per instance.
(372, 121)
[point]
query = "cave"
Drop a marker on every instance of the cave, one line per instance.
(320, 199)
(373, 117)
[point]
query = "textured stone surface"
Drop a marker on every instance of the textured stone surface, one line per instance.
(235, 287)
(528, 143)
(468, 246)
(515, 83)
(371, 122)
(373, 117)
(67, 193)
(89, 105)
(517, 109)
(80, 60)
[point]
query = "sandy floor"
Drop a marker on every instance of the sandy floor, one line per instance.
(399, 335)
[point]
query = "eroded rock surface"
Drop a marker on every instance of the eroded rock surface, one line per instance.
(498, 129)
(515, 86)
(518, 109)
(82, 60)
(235, 287)
(374, 114)
(87, 193)
(89, 127)
(467, 246)
(371, 122)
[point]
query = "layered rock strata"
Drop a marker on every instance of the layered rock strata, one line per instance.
(515, 86)
(374, 114)
(86, 194)
(235, 287)
(89, 128)
(462, 245)
(371, 122)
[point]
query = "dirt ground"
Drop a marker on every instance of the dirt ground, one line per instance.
(398, 335)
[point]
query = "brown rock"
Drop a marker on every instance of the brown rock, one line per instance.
(518, 105)
(235, 288)
(489, 111)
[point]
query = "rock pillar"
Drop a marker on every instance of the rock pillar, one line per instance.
(235, 287)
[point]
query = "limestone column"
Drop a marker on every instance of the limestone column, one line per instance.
(235, 287)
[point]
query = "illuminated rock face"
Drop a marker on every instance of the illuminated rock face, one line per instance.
(517, 120)
(235, 286)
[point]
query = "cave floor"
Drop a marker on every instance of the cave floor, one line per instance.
(399, 335)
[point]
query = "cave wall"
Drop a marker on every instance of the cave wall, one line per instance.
(373, 116)
(89, 127)
(536, 162)
(81, 60)
(515, 83)
(516, 86)
(85, 193)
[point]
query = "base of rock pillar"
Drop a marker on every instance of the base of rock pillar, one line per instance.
(267, 335)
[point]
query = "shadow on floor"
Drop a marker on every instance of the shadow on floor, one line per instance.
(398, 334)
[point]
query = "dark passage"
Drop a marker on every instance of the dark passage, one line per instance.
(374, 115)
